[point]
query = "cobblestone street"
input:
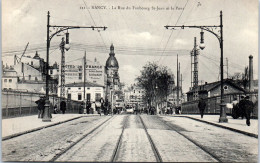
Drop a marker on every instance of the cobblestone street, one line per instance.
(128, 138)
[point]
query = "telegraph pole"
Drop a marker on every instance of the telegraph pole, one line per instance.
(177, 81)
(62, 78)
(227, 66)
(84, 96)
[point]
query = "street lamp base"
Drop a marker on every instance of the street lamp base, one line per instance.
(223, 119)
(46, 120)
(46, 114)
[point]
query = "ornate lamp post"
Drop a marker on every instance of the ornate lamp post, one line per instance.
(46, 115)
(223, 116)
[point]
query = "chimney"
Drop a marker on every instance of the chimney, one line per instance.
(251, 78)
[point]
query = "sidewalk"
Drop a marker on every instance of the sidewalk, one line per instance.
(237, 125)
(16, 126)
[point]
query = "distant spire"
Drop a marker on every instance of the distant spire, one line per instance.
(112, 49)
(36, 55)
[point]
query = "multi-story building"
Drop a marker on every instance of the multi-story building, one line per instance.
(135, 95)
(93, 91)
(28, 74)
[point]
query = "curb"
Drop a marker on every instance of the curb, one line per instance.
(42, 127)
(225, 127)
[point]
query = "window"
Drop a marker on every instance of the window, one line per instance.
(10, 80)
(69, 96)
(88, 96)
(36, 79)
(51, 72)
(5, 80)
(98, 96)
(80, 75)
(68, 88)
(79, 96)
(79, 88)
(29, 77)
(225, 87)
(31, 62)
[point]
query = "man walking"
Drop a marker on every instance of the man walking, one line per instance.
(63, 107)
(202, 106)
(40, 103)
(247, 110)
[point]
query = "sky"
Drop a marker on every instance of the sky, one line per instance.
(136, 29)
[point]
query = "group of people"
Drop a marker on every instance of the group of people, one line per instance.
(171, 110)
(41, 105)
(242, 109)
(87, 108)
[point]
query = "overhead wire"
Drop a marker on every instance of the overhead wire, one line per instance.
(172, 31)
(95, 24)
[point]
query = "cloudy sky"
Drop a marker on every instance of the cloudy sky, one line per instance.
(137, 32)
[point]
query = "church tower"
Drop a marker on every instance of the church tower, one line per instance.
(112, 67)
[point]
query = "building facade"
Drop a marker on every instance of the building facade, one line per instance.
(214, 89)
(28, 74)
(93, 92)
(135, 95)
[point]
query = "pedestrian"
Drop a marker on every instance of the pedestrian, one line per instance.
(98, 109)
(63, 107)
(247, 110)
(88, 106)
(202, 106)
(102, 101)
(241, 107)
(81, 109)
(235, 108)
(40, 103)
(106, 107)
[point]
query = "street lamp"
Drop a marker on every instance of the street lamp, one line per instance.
(202, 45)
(223, 116)
(156, 103)
(47, 114)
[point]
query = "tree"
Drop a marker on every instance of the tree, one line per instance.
(242, 79)
(156, 81)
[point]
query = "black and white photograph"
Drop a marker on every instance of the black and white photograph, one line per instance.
(129, 80)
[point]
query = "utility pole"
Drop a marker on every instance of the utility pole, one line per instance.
(210, 29)
(57, 30)
(227, 66)
(191, 62)
(181, 85)
(195, 72)
(195, 75)
(62, 78)
(84, 77)
(177, 81)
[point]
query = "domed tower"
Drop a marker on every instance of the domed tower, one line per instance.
(112, 67)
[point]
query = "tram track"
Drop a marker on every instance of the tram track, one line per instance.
(192, 141)
(119, 142)
(115, 153)
(58, 155)
(155, 150)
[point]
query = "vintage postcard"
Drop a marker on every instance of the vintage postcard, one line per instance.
(129, 81)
